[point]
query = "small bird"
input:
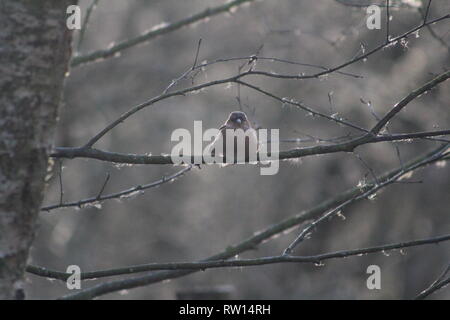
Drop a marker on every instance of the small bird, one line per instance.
(236, 120)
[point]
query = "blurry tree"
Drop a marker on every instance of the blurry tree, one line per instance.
(35, 49)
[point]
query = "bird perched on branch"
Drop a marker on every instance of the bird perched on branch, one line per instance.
(245, 141)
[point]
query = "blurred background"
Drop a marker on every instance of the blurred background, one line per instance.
(209, 209)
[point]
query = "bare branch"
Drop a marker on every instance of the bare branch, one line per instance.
(202, 265)
(85, 22)
(366, 165)
(388, 22)
(274, 59)
(436, 285)
(413, 95)
(303, 107)
(366, 3)
(118, 195)
(347, 146)
(61, 190)
(156, 31)
(103, 186)
(427, 11)
(197, 53)
(430, 28)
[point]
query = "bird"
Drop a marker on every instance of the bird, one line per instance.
(236, 120)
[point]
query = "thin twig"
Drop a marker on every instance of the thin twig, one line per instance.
(197, 53)
(406, 100)
(388, 18)
(117, 195)
(103, 187)
(358, 156)
(430, 28)
(439, 283)
(61, 190)
(274, 59)
(366, 3)
(346, 146)
(427, 11)
(85, 22)
(372, 111)
(303, 107)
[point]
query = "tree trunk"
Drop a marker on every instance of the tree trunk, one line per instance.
(35, 48)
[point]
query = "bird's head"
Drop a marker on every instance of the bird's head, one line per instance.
(237, 120)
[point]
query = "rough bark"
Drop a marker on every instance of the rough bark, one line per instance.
(34, 54)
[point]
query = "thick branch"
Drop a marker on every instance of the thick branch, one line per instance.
(44, 272)
(91, 153)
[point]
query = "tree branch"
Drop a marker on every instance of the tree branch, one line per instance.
(413, 95)
(117, 195)
(155, 32)
(83, 29)
(53, 274)
(348, 146)
(436, 285)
